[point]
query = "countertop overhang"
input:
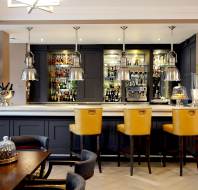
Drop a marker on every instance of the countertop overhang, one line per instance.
(68, 109)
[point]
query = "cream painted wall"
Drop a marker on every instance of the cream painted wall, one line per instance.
(17, 53)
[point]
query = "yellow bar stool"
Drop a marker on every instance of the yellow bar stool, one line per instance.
(88, 121)
(185, 124)
(137, 122)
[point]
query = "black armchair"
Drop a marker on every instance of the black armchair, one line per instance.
(85, 167)
(73, 182)
(31, 142)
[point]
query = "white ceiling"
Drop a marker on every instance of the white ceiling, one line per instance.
(103, 10)
(108, 9)
(100, 34)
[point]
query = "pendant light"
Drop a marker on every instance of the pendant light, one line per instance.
(76, 72)
(29, 72)
(171, 72)
(123, 70)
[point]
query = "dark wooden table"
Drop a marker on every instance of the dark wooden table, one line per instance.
(12, 175)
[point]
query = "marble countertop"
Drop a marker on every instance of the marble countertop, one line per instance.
(68, 109)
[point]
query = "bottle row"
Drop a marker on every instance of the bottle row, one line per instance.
(59, 72)
(60, 59)
(59, 96)
(138, 78)
(136, 93)
(58, 84)
(112, 95)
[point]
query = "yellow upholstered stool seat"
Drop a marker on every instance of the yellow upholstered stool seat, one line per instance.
(137, 122)
(73, 128)
(121, 128)
(168, 128)
(88, 121)
(185, 123)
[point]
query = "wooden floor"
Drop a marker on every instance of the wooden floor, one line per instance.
(118, 178)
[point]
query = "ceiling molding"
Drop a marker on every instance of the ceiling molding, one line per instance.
(105, 21)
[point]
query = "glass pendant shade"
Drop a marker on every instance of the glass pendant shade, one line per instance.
(76, 72)
(171, 71)
(29, 73)
(123, 73)
(172, 74)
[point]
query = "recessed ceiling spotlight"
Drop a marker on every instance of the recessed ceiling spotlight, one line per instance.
(80, 39)
(119, 39)
(42, 40)
(158, 39)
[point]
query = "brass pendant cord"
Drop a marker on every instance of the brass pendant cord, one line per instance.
(28, 45)
(172, 28)
(76, 37)
(123, 45)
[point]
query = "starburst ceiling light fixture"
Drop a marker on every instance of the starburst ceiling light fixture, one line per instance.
(45, 5)
(123, 71)
(76, 72)
(171, 71)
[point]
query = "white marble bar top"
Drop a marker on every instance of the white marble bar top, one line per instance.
(68, 109)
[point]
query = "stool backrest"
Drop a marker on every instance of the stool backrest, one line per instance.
(89, 121)
(137, 121)
(185, 122)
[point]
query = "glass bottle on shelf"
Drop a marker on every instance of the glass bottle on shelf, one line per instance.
(112, 90)
(161, 88)
(136, 88)
(60, 88)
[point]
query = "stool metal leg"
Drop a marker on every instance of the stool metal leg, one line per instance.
(148, 152)
(139, 147)
(184, 150)
(71, 144)
(98, 153)
(81, 143)
(181, 154)
(164, 151)
(131, 154)
(197, 162)
(118, 148)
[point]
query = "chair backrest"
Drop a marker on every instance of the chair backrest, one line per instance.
(86, 166)
(137, 121)
(185, 122)
(74, 182)
(31, 142)
(89, 121)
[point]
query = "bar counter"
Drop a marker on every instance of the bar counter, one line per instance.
(68, 109)
(53, 120)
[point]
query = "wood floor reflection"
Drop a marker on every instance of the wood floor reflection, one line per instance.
(118, 178)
